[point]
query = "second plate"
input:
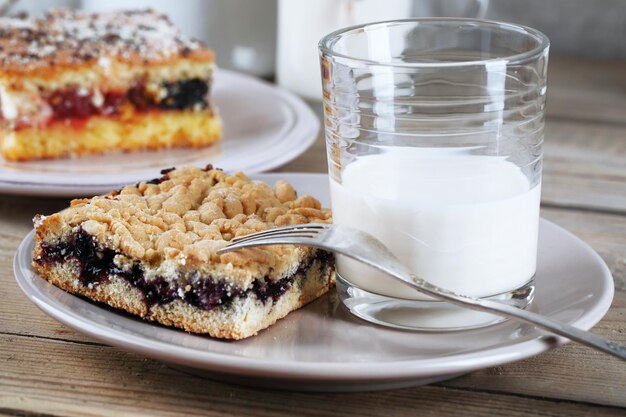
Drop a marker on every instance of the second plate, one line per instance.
(264, 127)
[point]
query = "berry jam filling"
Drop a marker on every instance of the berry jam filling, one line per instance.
(73, 104)
(80, 103)
(96, 264)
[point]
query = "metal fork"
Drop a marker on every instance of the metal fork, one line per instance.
(365, 248)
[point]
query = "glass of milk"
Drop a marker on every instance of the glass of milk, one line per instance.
(434, 132)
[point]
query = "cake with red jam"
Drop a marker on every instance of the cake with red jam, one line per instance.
(74, 83)
(151, 249)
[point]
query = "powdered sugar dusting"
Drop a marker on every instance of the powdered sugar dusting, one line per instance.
(69, 37)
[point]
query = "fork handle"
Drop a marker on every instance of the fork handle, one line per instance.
(505, 310)
(582, 336)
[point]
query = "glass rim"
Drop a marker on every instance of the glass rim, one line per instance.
(543, 43)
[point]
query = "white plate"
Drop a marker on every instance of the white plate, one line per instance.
(264, 127)
(321, 347)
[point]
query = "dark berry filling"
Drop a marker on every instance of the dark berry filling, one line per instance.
(179, 95)
(96, 264)
(185, 95)
(206, 292)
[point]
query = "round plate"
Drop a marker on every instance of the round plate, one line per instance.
(322, 347)
(264, 127)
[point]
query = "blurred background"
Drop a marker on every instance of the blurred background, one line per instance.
(277, 39)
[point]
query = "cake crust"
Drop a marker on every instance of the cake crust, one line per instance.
(150, 249)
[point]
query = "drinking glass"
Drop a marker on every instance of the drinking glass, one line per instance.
(434, 132)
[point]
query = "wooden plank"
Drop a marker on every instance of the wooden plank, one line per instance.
(605, 233)
(586, 90)
(17, 314)
(585, 166)
(314, 160)
(44, 376)
(555, 375)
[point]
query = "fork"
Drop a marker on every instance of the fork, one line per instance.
(365, 248)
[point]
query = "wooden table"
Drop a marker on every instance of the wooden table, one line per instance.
(47, 369)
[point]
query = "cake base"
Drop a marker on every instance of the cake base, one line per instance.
(99, 134)
(243, 318)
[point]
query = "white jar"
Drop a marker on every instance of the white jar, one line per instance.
(302, 23)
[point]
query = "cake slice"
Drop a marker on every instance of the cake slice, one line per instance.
(150, 249)
(74, 83)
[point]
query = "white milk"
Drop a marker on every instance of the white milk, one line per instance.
(467, 223)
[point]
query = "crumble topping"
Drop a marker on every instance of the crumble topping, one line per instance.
(188, 214)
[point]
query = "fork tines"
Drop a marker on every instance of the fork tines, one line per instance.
(294, 230)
